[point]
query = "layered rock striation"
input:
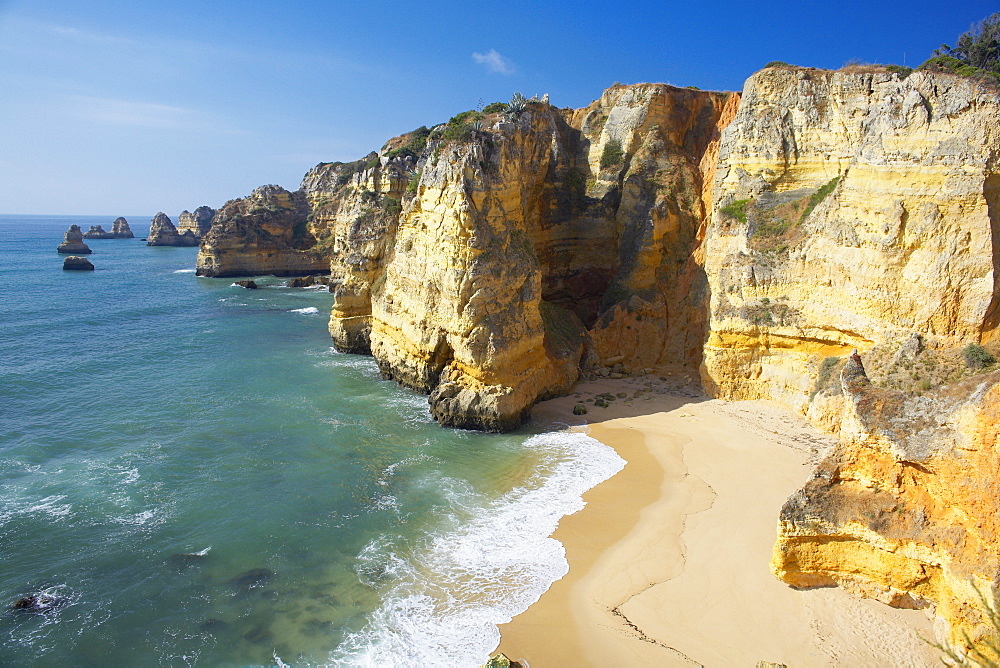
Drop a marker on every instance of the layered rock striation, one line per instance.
(163, 233)
(73, 242)
(199, 222)
(267, 232)
(906, 510)
(524, 253)
(850, 209)
(120, 229)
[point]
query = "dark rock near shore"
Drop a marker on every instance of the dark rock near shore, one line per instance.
(308, 281)
(248, 284)
(76, 263)
(73, 243)
(38, 603)
(163, 233)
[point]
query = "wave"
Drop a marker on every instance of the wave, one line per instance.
(445, 600)
(309, 310)
(184, 271)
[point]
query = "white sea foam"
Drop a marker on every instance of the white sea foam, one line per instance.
(444, 602)
(309, 310)
(184, 271)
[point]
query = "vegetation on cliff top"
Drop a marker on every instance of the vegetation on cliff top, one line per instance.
(976, 54)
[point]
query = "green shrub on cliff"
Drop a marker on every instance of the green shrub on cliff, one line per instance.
(612, 154)
(977, 357)
(736, 209)
(495, 108)
(819, 196)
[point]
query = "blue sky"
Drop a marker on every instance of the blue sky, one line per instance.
(131, 106)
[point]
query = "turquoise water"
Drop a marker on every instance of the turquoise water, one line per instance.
(197, 478)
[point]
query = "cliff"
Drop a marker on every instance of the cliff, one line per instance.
(850, 209)
(522, 256)
(907, 508)
(163, 233)
(267, 232)
(199, 222)
(757, 237)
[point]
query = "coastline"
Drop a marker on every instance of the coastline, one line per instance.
(669, 558)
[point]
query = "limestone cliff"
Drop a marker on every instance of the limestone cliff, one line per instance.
(907, 508)
(163, 233)
(850, 209)
(199, 222)
(533, 246)
(264, 233)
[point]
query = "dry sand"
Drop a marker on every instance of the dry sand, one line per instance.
(669, 558)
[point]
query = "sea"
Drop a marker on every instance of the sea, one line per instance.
(190, 474)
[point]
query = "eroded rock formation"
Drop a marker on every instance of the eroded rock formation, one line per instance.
(267, 232)
(77, 263)
(850, 209)
(163, 233)
(97, 232)
(73, 242)
(199, 222)
(907, 508)
(121, 230)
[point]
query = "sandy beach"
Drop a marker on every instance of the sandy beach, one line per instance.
(669, 558)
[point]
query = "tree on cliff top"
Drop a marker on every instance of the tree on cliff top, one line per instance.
(976, 53)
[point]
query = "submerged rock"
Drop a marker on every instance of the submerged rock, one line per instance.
(251, 579)
(77, 263)
(73, 243)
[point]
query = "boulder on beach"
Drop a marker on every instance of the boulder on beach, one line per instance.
(73, 243)
(77, 263)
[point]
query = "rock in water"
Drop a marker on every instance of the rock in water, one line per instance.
(77, 263)
(98, 232)
(74, 242)
(163, 233)
(38, 603)
(199, 222)
(121, 230)
(249, 285)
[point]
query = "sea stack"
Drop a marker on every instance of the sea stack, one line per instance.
(98, 232)
(163, 233)
(199, 222)
(77, 263)
(121, 230)
(73, 243)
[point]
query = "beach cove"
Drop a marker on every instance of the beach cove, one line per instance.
(669, 558)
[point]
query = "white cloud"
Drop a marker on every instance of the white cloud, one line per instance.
(494, 61)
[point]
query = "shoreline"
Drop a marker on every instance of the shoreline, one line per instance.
(669, 558)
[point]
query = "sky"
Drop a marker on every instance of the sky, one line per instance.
(122, 106)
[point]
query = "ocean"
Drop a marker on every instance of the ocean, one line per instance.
(194, 476)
